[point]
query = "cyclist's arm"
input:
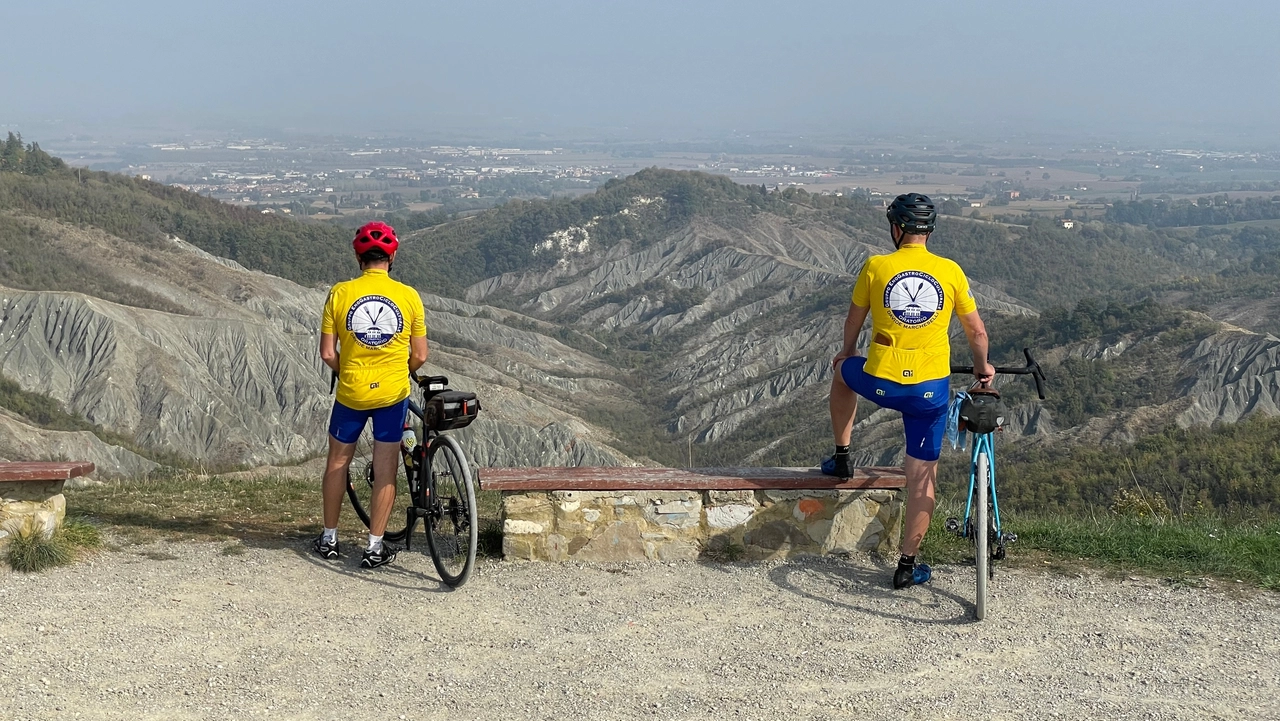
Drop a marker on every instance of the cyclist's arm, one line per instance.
(852, 327)
(329, 350)
(417, 352)
(976, 331)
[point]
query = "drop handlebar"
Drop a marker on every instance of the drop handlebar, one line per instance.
(1032, 368)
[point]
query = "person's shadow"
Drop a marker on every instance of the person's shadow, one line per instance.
(848, 587)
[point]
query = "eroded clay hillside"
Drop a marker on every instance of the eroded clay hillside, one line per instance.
(230, 375)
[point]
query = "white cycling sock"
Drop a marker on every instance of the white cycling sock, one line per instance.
(330, 535)
(375, 542)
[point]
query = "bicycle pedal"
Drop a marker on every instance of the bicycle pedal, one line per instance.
(999, 554)
(1009, 538)
(952, 525)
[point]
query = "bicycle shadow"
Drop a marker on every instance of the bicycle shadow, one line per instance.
(848, 587)
(391, 576)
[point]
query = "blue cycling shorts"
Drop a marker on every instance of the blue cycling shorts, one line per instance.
(345, 424)
(923, 405)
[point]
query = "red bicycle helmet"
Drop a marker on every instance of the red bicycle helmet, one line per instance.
(375, 235)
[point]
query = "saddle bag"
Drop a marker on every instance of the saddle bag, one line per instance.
(448, 410)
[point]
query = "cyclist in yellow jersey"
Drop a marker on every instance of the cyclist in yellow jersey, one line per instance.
(373, 335)
(910, 295)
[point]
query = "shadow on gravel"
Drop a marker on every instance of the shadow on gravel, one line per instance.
(391, 576)
(868, 591)
(150, 525)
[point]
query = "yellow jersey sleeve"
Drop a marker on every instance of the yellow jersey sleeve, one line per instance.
(965, 304)
(327, 324)
(862, 288)
(417, 326)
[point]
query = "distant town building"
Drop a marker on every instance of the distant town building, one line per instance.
(1068, 224)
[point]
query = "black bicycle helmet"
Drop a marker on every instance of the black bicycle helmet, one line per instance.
(982, 412)
(913, 212)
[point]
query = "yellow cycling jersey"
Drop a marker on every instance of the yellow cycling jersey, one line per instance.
(912, 294)
(373, 317)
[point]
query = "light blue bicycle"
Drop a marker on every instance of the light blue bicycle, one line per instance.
(980, 411)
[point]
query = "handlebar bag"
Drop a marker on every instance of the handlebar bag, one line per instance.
(448, 410)
(981, 412)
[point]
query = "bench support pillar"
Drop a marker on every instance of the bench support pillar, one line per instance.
(40, 501)
(606, 526)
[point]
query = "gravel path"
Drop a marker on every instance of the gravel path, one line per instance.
(187, 632)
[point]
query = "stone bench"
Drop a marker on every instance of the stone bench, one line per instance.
(627, 514)
(34, 490)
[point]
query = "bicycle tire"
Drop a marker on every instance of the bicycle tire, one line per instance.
(981, 533)
(450, 496)
(360, 483)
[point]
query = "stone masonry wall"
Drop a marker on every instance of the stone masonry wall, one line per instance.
(596, 526)
(42, 501)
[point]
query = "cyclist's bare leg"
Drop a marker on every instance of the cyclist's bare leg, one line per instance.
(921, 476)
(844, 406)
(385, 458)
(335, 479)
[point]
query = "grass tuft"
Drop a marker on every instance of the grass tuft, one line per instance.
(233, 549)
(81, 534)
(30, 551)
(489, 539)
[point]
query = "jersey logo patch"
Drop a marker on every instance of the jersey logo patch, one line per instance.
(374, 320)
(913, 298)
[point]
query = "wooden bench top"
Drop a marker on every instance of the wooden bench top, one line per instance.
(623, 478)
(44, 470)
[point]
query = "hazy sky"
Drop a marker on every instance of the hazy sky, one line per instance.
(694, 67)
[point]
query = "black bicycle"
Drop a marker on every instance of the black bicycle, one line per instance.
(981, 523)
(433, 483)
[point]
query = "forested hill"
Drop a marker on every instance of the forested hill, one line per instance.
(149, 213)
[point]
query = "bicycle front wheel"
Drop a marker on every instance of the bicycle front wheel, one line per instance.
(451, 516)
(360, 485)
(981, 534)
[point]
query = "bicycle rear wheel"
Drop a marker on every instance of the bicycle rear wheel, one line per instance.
(451, 518)
(360, 484)
(981, 533)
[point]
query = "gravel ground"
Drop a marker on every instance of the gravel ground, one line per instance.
(184, 631)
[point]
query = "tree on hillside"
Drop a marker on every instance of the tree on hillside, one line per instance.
(28, 159)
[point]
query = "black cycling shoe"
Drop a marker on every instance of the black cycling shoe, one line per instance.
(838, 466)
(380, 557)
(911, 575)
(327, 551)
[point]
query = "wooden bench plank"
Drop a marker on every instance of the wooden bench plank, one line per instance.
(622, 478)
(44, 470)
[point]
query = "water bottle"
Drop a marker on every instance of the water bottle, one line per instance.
(408, 441)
